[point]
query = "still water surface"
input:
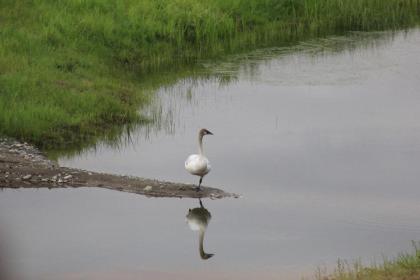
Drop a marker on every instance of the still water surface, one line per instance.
(322, 140)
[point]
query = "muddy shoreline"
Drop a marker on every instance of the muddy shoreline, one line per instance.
(24, 166)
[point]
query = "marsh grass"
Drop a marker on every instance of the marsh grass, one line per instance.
(404, 266)
(72, 71)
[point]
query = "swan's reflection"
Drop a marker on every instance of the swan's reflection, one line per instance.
(198, 219)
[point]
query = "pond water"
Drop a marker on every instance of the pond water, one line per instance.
(322, 140)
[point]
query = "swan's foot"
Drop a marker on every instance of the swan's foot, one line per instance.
(197, 189)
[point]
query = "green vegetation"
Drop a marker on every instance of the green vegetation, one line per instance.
(405, 266)
(73, 70)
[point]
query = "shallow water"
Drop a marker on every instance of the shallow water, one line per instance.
(322, 141)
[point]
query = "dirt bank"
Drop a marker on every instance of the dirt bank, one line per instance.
(23, 166)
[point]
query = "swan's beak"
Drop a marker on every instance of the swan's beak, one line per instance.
(209, 133)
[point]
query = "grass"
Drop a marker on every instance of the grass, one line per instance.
(405, 266)
(72, 71)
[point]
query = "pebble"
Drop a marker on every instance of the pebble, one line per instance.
(68, 177)
(147, 188)
(27, 177)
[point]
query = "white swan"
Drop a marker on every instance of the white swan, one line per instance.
(198, 219)
(199, 165)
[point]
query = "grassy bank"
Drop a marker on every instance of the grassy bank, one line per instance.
(72, 70)
(405, 266)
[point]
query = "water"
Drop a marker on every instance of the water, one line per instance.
(321, 140)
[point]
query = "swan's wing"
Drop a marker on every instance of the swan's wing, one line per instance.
(207, 165)
(191, 160)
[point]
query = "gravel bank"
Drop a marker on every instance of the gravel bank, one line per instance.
(24, 166)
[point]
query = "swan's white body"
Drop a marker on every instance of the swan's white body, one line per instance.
(198, 164)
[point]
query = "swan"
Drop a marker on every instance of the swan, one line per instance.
(198, 164)
(198, 219)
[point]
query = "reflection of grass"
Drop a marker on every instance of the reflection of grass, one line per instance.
(70, 71)
(405, 266)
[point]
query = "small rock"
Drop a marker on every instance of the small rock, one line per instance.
(27, 177)
(147, 188)
(60, 181)
(68, 177)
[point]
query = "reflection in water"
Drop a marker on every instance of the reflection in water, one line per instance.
(331, 140)
(166, 111)
(163, 114)
(198, 220)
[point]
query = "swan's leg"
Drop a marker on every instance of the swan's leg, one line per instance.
(199, 184)
(201, 203)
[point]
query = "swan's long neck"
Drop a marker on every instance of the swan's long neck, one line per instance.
(200, 144)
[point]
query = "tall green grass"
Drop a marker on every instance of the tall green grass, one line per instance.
(405, 266)
(71, 70)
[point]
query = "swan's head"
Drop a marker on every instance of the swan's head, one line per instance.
(204, 131)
